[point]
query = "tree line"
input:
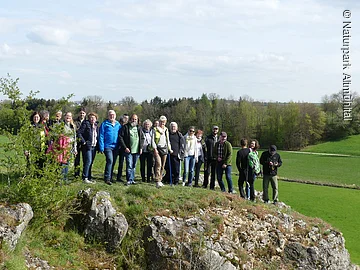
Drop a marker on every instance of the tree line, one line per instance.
(290, 126)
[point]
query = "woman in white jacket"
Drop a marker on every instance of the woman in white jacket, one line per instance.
(191, 156)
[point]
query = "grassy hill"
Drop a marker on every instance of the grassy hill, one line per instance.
(348, 146)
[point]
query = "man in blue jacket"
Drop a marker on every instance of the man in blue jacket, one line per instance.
(109, 143)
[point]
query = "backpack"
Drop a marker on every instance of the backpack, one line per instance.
(254, 162)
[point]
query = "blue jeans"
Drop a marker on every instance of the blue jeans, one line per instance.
(131, 160)
(110, 155)
(220, 171)
(189, 165)
(88, 160)
(65, 170)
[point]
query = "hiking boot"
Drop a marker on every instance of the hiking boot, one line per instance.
(108, 182)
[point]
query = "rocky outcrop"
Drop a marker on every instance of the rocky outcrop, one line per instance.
(100, 221)
(252, 238)
(13, 221)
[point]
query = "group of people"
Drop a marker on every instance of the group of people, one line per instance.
(161, 150)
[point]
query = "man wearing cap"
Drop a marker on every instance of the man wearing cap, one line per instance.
(222, 153)
(210, 161)
(271, 161)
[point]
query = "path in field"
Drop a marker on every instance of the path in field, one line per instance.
(320, 154)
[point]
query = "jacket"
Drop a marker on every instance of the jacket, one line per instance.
(210, 142)
(227, 153)
(108, 135)
(124, 137)
(85, 134)
(265, 158)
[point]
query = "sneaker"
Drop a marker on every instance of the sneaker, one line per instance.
(232, 192)
(87, 181)
(133, 182)
(128, 183)
(183, 184)
(159, 184)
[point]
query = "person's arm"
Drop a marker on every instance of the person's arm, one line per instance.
(227, 159)
(123, 133)
(263, 159)
(238, 160)
(101, 137)
(168, 140)
(81, 131)
(279, 162)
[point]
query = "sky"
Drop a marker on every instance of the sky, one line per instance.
(267, 50)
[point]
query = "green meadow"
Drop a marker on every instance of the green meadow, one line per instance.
(348, 146)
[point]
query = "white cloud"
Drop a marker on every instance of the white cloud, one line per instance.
(49, 35)
(5, 49)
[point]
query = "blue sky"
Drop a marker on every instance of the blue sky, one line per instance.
(266, 49)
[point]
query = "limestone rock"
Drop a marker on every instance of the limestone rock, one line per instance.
(246, 239)
(13, 221)
(101, 222)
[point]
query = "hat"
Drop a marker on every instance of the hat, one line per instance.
(272, 149)
(223, 133)
(215, 127)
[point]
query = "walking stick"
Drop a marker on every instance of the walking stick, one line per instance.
(170, 173)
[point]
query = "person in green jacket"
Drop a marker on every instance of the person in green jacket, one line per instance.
(223, 153)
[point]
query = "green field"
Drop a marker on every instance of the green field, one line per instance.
(345, 147)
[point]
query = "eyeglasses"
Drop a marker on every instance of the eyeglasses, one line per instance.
(216, 128)
(191, 130)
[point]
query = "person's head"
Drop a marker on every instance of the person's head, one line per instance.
(243, 143)
(254, 144)
(124, 119)
(156, 123)
(215, 130)
(58, 115)
(82, 113)
(272, 149)
(199, 133)
(68, 117)
(191, 131)
(112, 116)
(173, 127)
(92, 117)
(223, 137)
(134, 120)
(35, 118)
(147, 124)
(45, 115)
(162, 121)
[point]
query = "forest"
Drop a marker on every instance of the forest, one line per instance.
(291, 125)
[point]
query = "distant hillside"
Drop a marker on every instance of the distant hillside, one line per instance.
(348, 146)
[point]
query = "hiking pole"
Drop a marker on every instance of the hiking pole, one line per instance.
(170, 172)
